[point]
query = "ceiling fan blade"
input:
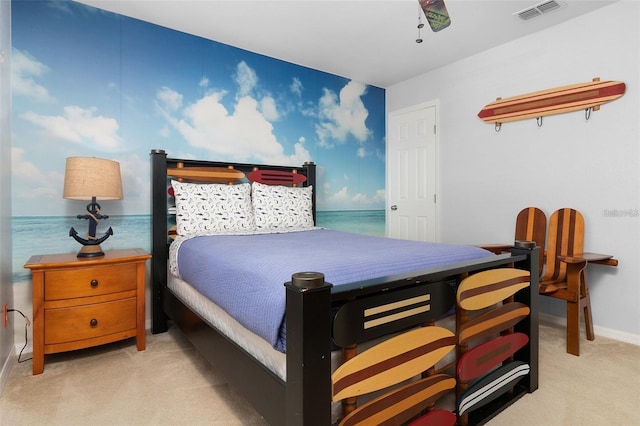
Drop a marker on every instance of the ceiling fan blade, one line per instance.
(436, 13)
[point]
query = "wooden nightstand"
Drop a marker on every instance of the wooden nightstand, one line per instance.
(85, 302)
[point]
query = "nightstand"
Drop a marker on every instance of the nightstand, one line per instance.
(83, 302)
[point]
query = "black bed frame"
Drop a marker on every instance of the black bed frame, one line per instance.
(305, 398)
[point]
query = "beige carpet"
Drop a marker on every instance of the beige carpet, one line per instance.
(169, 384)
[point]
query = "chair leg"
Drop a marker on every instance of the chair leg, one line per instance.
(573, 328)
(585, 302)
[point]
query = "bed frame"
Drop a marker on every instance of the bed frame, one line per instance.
(305, 397)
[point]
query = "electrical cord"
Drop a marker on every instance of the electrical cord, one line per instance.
(27, 324)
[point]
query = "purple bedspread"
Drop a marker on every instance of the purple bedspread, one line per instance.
(244, 274)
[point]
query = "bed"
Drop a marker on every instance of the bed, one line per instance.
(326, 313)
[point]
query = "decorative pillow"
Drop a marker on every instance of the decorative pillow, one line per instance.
(282, 208)
(211, 208)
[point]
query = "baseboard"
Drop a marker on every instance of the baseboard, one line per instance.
(610, 333)
(6, 370)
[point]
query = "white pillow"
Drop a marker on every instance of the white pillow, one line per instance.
(205, 209)
(282, 208)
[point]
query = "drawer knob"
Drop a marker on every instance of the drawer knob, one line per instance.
(93, 322)
(94, 283)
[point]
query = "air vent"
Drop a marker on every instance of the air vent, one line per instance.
(538, 9)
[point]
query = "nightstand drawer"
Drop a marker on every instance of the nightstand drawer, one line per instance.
(89, 321)
(83, 282)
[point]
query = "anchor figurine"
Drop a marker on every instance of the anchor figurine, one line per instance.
(91, 245)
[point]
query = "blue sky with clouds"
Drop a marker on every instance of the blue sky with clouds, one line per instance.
(91, 83)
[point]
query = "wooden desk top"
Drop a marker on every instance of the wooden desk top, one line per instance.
(603, 259)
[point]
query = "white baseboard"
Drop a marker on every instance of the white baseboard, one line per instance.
(6, 371)
(610, 333)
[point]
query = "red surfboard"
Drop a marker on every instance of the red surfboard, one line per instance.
(276, 177)
(436, 418)
(558, 100)
(486, 356)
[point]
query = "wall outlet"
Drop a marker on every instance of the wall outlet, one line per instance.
(5, 320)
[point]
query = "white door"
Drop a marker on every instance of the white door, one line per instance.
(411, 173)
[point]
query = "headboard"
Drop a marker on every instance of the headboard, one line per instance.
(163, 169)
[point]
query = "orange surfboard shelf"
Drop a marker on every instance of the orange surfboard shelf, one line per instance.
(559, 100)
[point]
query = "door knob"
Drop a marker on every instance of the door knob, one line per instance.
(394, 207)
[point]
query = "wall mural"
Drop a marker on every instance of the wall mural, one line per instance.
(86, 82)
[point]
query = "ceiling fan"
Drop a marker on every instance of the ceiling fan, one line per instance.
(436, 13)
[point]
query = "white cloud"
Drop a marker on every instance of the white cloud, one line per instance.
(343, 200)
(242, 134)
(204, 82)
(24, 70)
(296, 86)
(246, 78)
(170, 99)
(80, 126)
(269, 109)
(29, 180)
(342, 115)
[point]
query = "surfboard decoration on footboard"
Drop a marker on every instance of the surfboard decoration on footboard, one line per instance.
(488, 355)
(436, 417)
(492, 386)
(574, 97)
(403, 404)
(392, 361)
(493, 321)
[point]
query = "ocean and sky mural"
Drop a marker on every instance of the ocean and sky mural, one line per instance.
(87, 82)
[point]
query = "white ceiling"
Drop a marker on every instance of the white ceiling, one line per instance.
(371, 41)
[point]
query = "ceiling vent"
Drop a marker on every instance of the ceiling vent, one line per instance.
(538, 9)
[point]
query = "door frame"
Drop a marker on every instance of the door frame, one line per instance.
(435, 103)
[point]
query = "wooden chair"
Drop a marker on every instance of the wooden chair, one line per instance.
(565, 275)
(531, 225)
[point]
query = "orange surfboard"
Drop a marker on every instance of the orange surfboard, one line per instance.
(404, 403)
(487, 288)
(392, 361)
(558, 100)
(493, 321)
(206, 174)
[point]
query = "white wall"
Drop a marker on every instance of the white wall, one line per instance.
(6, 285)
(593, 166)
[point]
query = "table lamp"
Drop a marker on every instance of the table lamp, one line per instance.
(90, 178)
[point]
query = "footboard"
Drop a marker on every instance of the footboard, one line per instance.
(369, 310)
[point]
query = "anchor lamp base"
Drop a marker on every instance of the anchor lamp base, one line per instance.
(91, 251)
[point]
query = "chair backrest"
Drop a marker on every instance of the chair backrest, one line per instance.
(531, 225)
(566, 238)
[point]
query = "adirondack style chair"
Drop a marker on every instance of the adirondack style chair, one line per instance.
(565, 275)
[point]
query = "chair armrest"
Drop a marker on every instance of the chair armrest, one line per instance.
(601, 259)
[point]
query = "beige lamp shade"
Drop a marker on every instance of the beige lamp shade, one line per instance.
(87, 177)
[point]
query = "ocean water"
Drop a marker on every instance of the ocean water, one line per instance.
(369, 222)
(34, 235)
